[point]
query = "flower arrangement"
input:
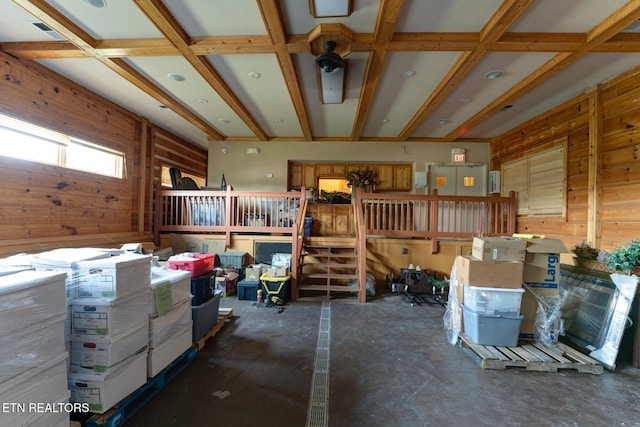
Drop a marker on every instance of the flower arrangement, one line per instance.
(361, 178)
(585, 251)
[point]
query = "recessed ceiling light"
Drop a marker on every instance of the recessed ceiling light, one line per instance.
(255, 75)
(164, 107)
(385, 120)
(279, 120)
(443, 121)
(176, 77)
(465, 100)
(224, 121)
(494, 74)
(506, 107)
(409, 73)
(203, 101)
(99, 4)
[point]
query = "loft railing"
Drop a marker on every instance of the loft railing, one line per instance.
(435, 217)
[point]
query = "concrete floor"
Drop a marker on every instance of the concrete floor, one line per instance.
(390, 365)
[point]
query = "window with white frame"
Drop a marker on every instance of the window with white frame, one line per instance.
(539, 182)
(22, 140)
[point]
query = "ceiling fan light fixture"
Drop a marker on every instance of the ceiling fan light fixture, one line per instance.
(491, 75)
(329, 60)
(330, 8)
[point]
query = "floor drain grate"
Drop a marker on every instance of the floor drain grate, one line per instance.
(318, 412)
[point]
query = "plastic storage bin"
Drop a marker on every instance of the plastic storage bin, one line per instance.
(486, 329)
(197, 264)
(201, 288)
(248, 290)
(499, 301)
(205, 317)
(234, 259)
(276, 286)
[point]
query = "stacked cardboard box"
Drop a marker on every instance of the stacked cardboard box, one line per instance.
(33, 358)
(489, 289)
(170, 324)
(511, 263)
(109, 329)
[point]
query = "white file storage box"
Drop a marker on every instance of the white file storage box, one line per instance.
(165, 327)
(114, 277)
(177, 283)
(161, 356)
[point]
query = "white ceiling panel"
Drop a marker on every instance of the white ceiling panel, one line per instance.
(258, 82)
(218, 18)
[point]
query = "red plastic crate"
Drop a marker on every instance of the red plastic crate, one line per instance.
(200, 264)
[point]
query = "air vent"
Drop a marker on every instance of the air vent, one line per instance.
(47, 30)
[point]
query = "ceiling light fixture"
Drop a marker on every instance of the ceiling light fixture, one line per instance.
(176, 77)
(255, 75)
(465, 100)
(98, 4)
(443, 121)
(225, 121)
(330, 8)
(385, 120)
(278, 120)
(491, 75)
(409, 73)
(203, 101)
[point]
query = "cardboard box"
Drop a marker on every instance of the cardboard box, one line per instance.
(542, 262)
(252, 274)
(102, 392)
(541, 277)
(95, 355)
(161, 356)
(213, 246)
(492, 274)
(499, 248)
(281, 260)
(277, 272)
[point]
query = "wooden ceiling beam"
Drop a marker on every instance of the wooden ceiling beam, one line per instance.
(157, 13)
(83, 41)
(275, 27)
(602, 32)
(507, 13)
(388, 14)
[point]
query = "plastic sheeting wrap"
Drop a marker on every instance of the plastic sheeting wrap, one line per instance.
(453, 314)
(114, 277)
(30, 297)
(169, 288)
(548, 323)
(65, 260)
(27, 348)
(595, 308)
(45, 383)
(163, 328)
(108, 318)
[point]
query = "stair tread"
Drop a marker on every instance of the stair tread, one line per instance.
(329, 276)
(330, 246)
(340, 288)
(341, 256)
(328, 264)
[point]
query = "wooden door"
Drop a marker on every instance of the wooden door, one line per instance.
(402, 177)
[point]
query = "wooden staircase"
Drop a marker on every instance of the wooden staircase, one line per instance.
(328, 270)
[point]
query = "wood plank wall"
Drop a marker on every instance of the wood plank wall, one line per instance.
(603, 176)
(46, 206)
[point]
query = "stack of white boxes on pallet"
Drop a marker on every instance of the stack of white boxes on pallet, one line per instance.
(33, 359)
(170, 324)
(109, 329)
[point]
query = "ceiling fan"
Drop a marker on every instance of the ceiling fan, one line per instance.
(331, 74)
(329, 60)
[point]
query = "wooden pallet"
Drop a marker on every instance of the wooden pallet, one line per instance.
(531, 357)
(224, 314)
(125, 409)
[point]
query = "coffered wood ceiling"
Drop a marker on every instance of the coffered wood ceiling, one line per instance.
(548, 50)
